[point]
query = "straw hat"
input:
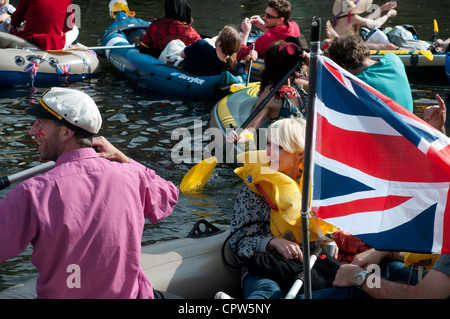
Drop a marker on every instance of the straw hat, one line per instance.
(344, 6)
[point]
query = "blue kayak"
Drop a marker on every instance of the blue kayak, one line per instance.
(153, 74)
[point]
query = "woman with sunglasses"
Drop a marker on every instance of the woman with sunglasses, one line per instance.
(276, 26)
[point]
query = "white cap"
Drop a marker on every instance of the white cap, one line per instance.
(73, 106)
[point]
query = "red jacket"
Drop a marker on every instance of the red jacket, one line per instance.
(162, 31)
(46, 22)
(272, 35)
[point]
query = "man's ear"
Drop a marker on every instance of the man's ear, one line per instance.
(66, 133)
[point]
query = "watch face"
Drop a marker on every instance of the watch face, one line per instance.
(360, 278)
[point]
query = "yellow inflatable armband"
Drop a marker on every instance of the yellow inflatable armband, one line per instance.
(283, 195)
(426, 260)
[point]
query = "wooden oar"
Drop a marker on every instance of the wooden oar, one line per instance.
(83, 48)
(6, 181)
(198, 175)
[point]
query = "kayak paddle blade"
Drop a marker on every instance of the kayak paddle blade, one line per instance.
(428, 54)
(198, 175)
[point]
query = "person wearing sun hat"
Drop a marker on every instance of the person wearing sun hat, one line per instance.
(347, 19)
(84, 217)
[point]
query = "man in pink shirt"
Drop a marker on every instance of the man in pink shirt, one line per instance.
(85, 217)
(275, 24)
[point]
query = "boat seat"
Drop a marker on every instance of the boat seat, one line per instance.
(11, 41)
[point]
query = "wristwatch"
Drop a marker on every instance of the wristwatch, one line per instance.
(360, 279)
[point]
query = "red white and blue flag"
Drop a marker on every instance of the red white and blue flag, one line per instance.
(63, 69)
(379, 172)
(91, 52)
(33, 67)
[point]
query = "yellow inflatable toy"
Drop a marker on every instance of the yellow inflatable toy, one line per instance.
(119, 5)
(283, 195)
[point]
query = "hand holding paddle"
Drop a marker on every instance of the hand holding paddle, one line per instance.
(106, 150)
(6, 181)
(198, 175)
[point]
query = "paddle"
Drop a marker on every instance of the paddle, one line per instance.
(6, 181)
(428, 54)
(198, 175)
(435, 31)
(83, 48)
(298, 283)
(250, 67)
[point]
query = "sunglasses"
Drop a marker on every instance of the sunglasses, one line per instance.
(268, 16)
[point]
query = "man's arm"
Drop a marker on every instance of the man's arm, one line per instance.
(434, 285)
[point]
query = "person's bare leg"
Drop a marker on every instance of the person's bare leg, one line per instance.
(331, 33)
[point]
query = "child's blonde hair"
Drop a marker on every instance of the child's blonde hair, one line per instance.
(289, 133)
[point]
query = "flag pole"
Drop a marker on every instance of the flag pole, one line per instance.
(315, 43)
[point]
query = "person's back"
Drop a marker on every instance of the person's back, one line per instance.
(201, 58)
(176, 25)
(388, 76)
(47, 21)
(88, 213)
(162, 31)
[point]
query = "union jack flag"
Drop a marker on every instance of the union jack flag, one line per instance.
(63, 69)
(379, 172)
(91, 52)
(33, 67)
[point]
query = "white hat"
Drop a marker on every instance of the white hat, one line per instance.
(71, 106)
(344, 6)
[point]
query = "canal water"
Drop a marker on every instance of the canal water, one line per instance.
(141, 122)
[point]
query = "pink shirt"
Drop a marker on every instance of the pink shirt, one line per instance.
(88, 212)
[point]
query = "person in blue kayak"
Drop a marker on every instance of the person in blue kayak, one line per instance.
(176, 24)
(201, 58)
